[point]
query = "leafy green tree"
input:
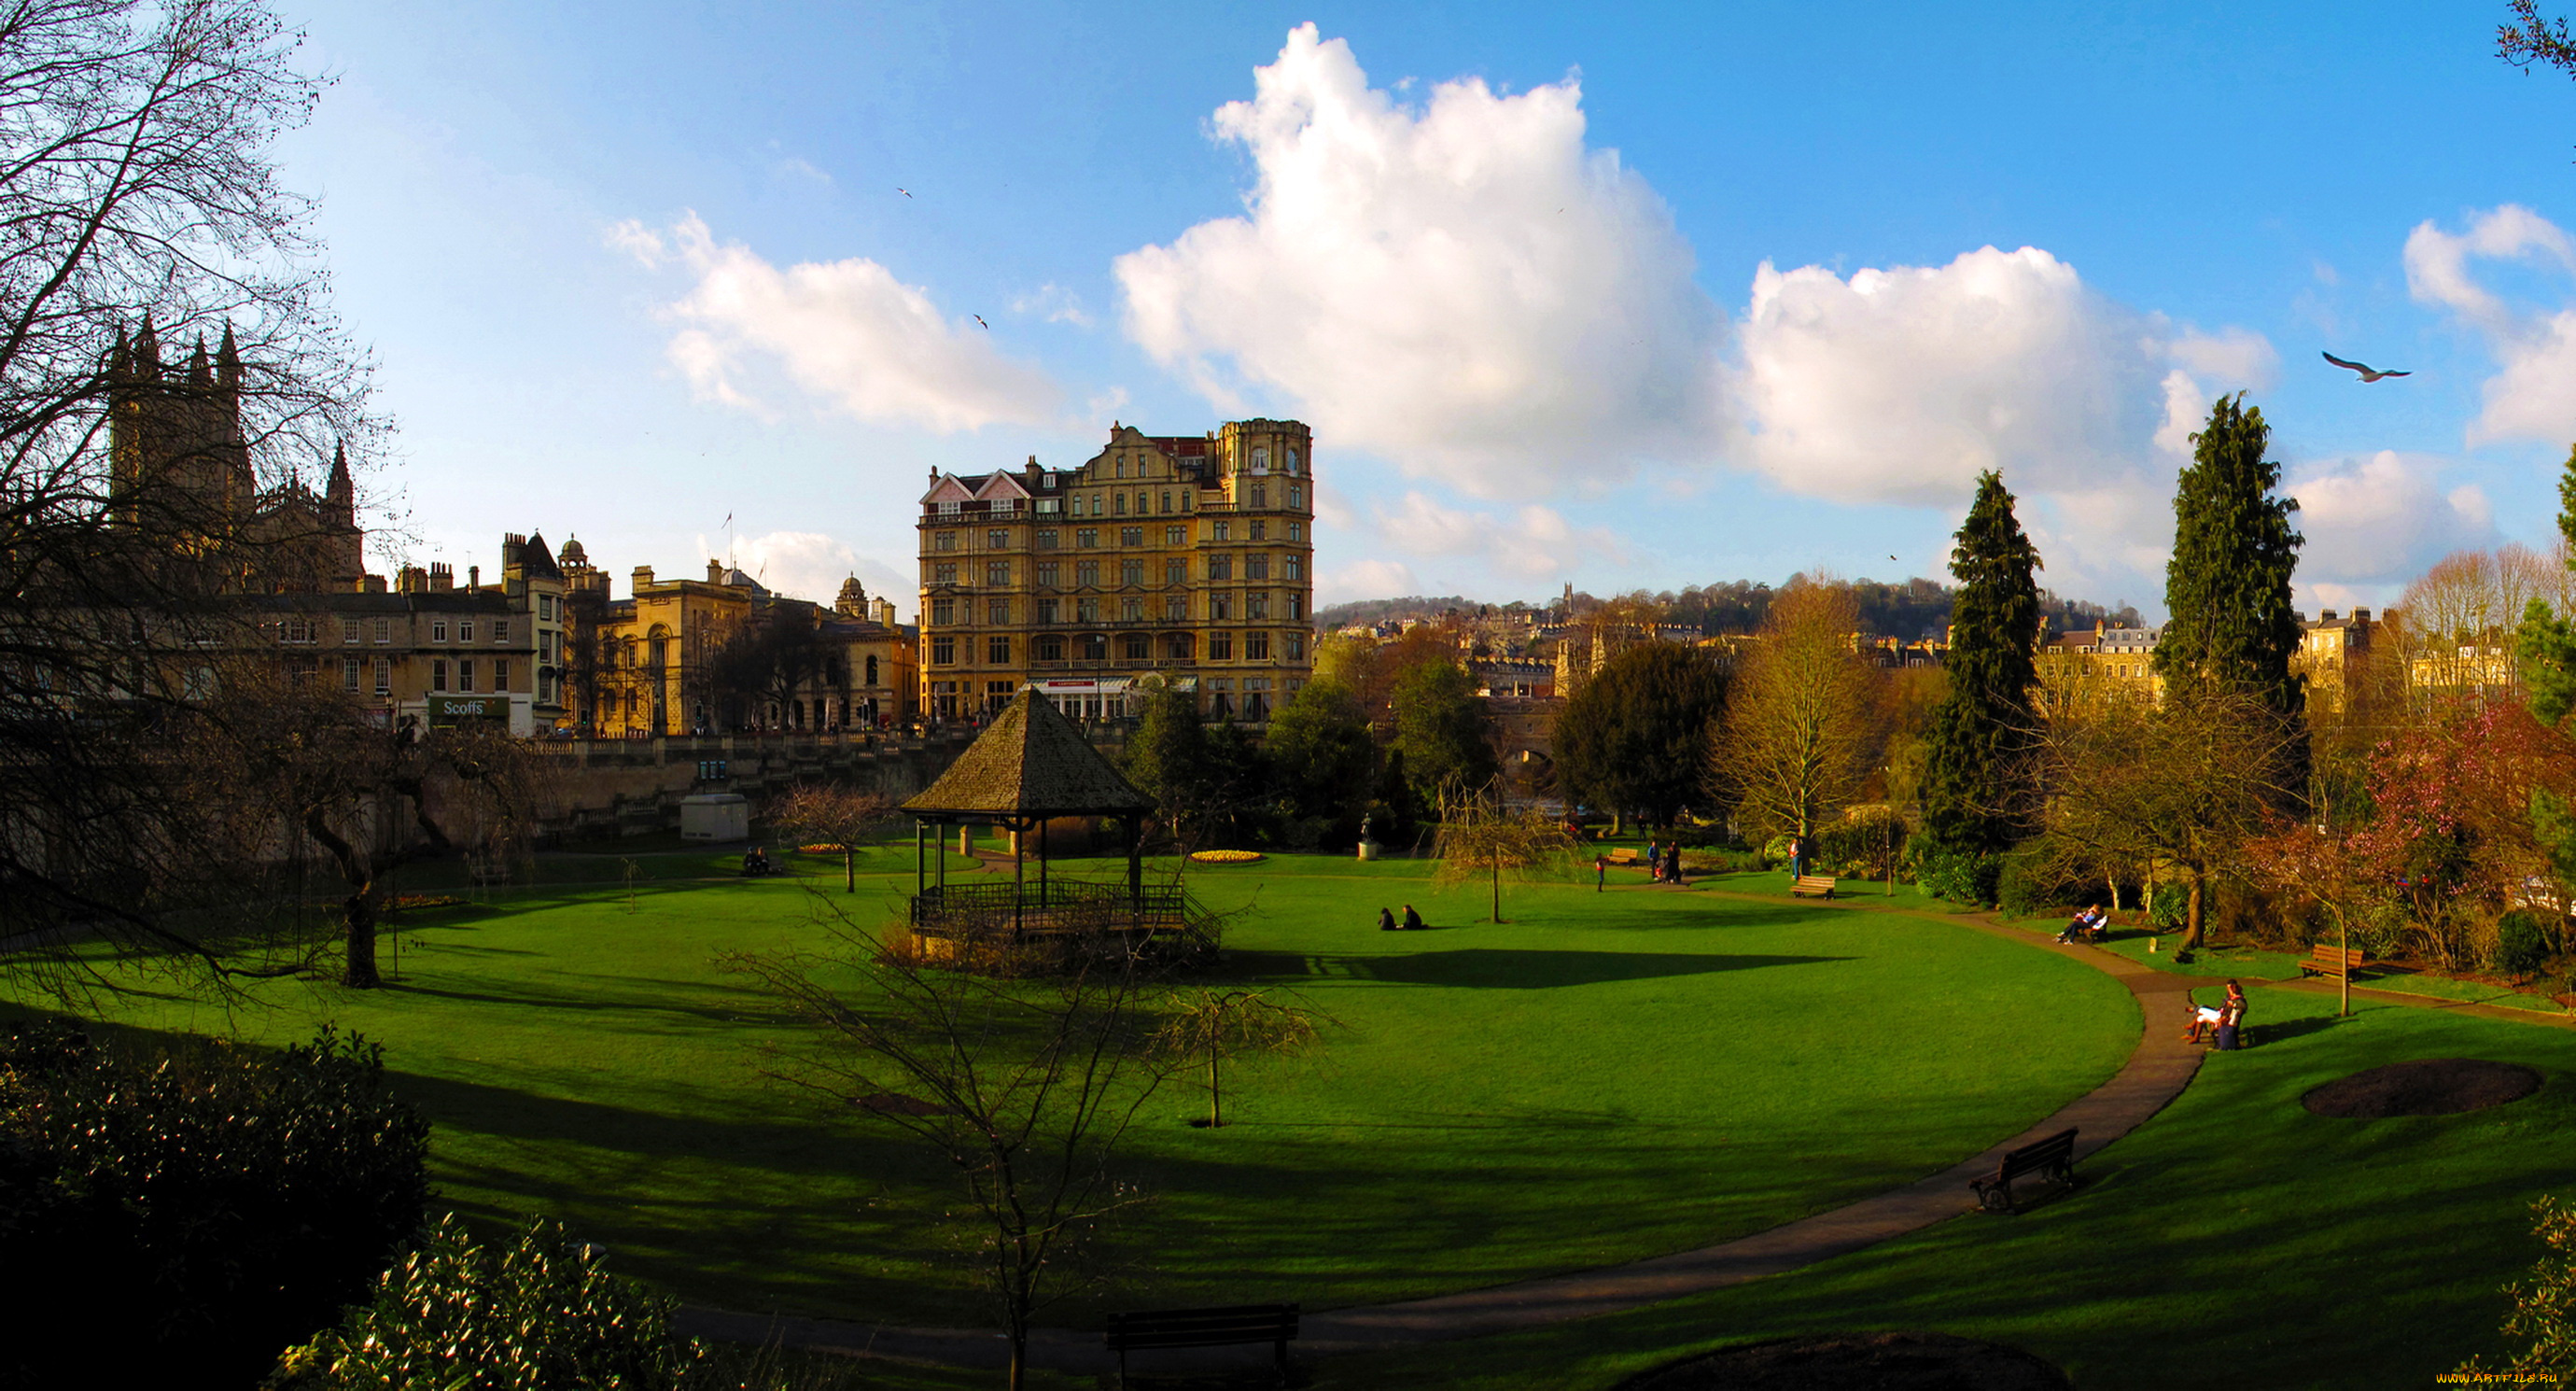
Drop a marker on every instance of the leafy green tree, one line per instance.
(2227, 587)
(1440, 728)
(2546, 643)
(1638, 734)
(1166, 754)
(1975, 777)
(1321, 751)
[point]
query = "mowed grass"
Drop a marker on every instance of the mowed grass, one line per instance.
(1608, 1076)
(2234, 1235)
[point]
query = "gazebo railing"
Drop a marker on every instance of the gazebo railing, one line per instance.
(1057, 905)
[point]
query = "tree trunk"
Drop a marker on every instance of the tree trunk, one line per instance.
(359, 934)
(1216, 1096)
(2191, 917)
(1618, 823)
(849, 867)
(1498, 890)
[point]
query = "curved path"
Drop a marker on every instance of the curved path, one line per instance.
(2154, 1075)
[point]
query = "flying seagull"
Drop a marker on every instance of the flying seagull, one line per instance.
(905, 192)
(2368, 373)
(980, 320)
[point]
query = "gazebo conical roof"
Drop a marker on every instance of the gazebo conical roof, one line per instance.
(1030, 762)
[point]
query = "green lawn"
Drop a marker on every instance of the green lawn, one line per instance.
(1609, 1076)
(2235, 1238)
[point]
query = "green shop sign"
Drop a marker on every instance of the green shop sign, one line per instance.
(447, 710)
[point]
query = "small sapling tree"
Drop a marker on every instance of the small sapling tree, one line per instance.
(1212, 1025)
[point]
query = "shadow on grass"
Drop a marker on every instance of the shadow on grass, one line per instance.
(1508, 968)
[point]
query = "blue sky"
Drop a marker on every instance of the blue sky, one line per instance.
(1616, 296)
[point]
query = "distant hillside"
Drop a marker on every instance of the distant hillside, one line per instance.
(1360, 611)
(1912, 609)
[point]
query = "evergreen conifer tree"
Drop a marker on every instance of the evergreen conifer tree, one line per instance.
(2547, 643)
(2227, 588)
(1976, 760)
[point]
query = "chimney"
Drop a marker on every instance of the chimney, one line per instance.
(2325, 616)
(411, 579)
(643, 577)
(473, 578)
(715, 572)
(2361, 615)
(442, 576)
(885, 612)
(513, 546)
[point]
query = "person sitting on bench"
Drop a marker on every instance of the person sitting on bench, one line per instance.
(1412, 920)
(2086, 926)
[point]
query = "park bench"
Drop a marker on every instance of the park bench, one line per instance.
(1624, 855)
(1230, 1326)
(2338, 962)
(1813, 886)
(2052, 1158)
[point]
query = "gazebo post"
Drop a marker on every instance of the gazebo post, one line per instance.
(1135, 863)
(1019, 884)
(1042, 862)
(920, 862)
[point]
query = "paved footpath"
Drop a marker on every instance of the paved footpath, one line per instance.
(2155, 1074)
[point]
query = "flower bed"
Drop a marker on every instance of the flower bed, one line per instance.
(821, 849)
(405, 902)
(1224, 857)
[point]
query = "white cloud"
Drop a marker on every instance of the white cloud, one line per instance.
(1902, 384)
(1461, 287)
(812, 565)
(2383, 519)
(1531, 542)
(846, 331)
(1366, 579)
(1055, 304)
(2533, 393)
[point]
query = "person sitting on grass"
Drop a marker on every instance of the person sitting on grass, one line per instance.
(1385, 921)
(1412, 920)
(755, 862)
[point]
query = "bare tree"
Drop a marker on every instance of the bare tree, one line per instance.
(840, 817)
(1799, 727)
(1025, 1083)
(140, 207)
(1212, 1025)
(1479, 838)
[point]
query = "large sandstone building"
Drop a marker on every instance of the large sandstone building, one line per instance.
(1187, 560)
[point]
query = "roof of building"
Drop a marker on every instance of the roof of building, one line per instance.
(1032, 761)
(536, 562)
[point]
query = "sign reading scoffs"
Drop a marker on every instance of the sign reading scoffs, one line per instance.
(448, 710)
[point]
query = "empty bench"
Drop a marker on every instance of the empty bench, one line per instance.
(1624, 855)
(1813, 886)
(2052, 1159)
(1230, 1326)
(2339, 962)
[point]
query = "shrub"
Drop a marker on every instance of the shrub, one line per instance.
(2026, 886)
(1861, 843)
(193, 1210)
(2524, 941)
(1959, 878)
(542, 1311)
(2169, 907)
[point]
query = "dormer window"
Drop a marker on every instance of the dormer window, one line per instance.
(945, 509)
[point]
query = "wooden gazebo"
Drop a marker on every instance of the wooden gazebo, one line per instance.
(1030, 766)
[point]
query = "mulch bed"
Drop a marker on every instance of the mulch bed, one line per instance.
(1859, 1362)
(2425, 1087)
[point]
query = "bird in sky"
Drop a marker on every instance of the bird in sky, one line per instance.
(905, 192)
(1898, 561)
(2368, 373)
(979, 319)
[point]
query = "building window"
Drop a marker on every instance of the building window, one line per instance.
(1256, 529)
(1121, 507)
(1293, 567)
(1256, 647)
(944, 574)
(465, 631)
(546, 607)
(500, 673)
(1086, 538)
(1049, 647)
(1132, 609)
(872, 672)
(1167, 501)
(1220, 647)
(384, 676)
(944, 509)
(1256, 567)
(438, 675)
(943, 611)
(1138, 647)
(1177, 647)
(996, 540)
(1131, 572)
(1220, 567)
(1256, 605)
(500, 630)
(997, 649)
(1220, 607)
(1176, 608)
(997, 573)
(1131, 536)
(296, 630)
(1186, 495)
(1049, 506)
(1095, 647)
(1296, 531)
(1223, 531)
(384, 630)
(1296, 497)
(349, 673)
(943, 650)
(1086, 574)
(1046, 536)
(1086, 609)
(1176, 536)
(1176, 572)
(997, 611)
(1048, 608)
(1297, 608)
(1047, 573)
(943, 541)
(465, 674)
(1121, 467)
(1296, 647)
(1261, 495)
(1260, 461)
(1292, 461)
(348, 630)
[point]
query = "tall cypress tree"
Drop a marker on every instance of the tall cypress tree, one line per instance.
(1975, 770)
(2547, 643)
(2227, 588)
